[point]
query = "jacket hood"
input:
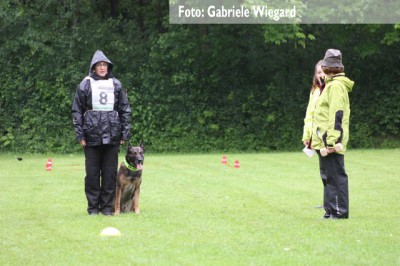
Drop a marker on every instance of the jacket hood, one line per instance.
(98, 57)
(349, 84)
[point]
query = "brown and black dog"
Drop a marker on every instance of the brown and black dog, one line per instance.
(129, 178)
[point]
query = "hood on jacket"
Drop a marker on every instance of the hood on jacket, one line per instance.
(349, 84)
(98, 57)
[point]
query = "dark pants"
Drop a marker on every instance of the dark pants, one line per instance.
(323, 174)
(101, 164)
(336, 188)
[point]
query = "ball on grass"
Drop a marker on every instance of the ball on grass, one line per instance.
(110, 231)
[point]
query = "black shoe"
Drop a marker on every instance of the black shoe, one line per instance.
(107, 213)
(326, 216)
(93, 213)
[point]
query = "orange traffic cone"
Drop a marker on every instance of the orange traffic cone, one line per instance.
(237, 164)
(224, 160)
(49, 165)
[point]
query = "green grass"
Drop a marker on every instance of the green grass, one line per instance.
(196, 211)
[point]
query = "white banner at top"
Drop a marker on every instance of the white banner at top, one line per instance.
(284, 12)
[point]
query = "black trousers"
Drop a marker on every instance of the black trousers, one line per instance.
(336, 188)
(322, 173)
(101, 164)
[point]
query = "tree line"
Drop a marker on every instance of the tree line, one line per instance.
(192, 88)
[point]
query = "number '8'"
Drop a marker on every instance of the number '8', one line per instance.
(103, 98)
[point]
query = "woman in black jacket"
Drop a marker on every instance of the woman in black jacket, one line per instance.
(101, 117)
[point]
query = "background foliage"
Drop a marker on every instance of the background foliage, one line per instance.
(191, 87)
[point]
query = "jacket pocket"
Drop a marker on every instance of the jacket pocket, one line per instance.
(115, 126)
(322, 135)
(317, 139)
(90, 126)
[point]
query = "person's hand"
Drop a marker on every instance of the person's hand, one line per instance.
(122, 142)
(306, 143)
(83, 143)
(331, 150)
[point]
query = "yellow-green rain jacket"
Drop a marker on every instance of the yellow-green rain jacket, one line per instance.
(332, 113)
(308, 120)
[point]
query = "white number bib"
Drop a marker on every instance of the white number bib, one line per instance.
(102, 94)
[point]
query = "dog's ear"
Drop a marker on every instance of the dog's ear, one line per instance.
(142, 146)
(129, 146)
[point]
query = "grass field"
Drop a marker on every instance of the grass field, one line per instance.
(196, 211)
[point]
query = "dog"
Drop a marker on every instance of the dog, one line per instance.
(129, 178)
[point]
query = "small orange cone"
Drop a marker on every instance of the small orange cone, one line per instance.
(237, 164)
(49, 165)
(224, 160)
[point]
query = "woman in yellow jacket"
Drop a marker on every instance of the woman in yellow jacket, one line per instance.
(330, 134)
(316, 89)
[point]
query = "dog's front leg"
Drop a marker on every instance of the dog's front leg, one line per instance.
(117, 201)
(135, 205)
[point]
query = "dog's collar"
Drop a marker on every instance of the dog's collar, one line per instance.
(130, 167)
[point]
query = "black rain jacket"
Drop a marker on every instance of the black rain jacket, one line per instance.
(100, 127)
